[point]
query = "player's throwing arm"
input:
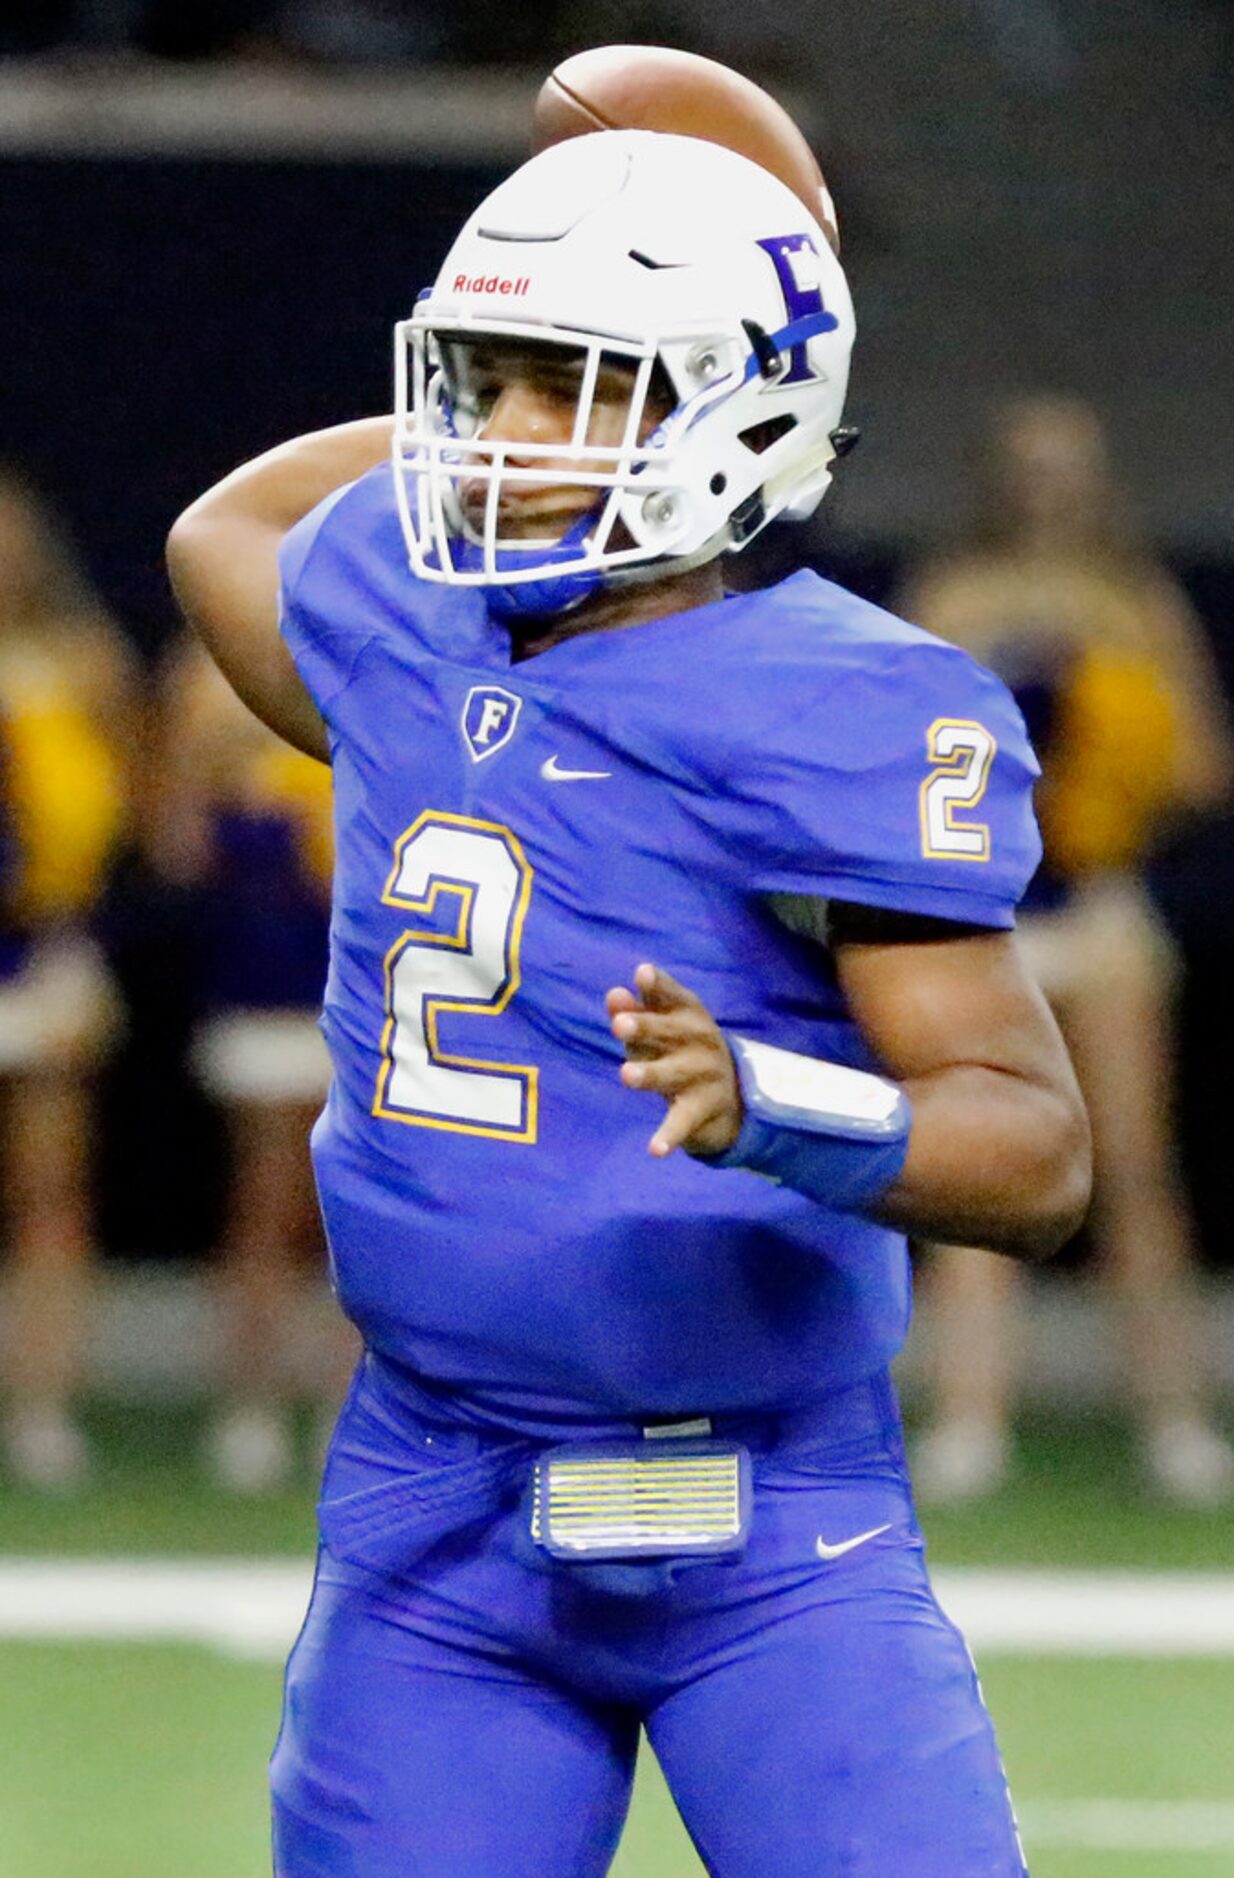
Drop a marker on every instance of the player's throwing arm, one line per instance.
(223, 558)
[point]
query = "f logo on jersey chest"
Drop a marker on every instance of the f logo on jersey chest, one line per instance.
(490, 713)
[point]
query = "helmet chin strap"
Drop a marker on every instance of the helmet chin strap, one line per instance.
(535, 599)
(555, 594)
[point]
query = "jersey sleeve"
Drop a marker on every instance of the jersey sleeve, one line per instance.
(906, 784)
(319, 635)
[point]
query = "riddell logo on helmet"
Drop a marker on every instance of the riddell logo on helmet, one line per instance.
(492, 283)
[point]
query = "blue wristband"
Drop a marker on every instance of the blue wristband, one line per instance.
(836, 1135)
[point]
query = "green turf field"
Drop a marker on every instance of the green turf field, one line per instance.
(143, 1761)
(146, 1759)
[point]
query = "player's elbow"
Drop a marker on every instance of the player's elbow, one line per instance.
(1055, 1184)
(187, 552)
(1029, 1179)
(195, 543)
(224, 572)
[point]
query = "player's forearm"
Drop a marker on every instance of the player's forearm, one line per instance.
(277, 489)
(993, 1160)
(977, 1154)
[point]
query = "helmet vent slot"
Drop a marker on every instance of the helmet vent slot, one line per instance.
(760, 437)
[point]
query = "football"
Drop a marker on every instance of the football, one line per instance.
(658, 88)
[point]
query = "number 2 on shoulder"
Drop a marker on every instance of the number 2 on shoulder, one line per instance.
(960, 754)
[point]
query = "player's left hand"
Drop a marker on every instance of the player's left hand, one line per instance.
(675, 1049)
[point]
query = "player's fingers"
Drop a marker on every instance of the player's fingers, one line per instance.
(620, 999)
(660, 991)
(690, 1112)
(669, 1075)
(651, 1033)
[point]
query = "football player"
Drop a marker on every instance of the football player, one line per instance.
(622, 1449)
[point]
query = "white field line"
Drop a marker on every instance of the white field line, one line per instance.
(244, 1607)
(1147, 1827)
(1092, 1613)
(253, 1607)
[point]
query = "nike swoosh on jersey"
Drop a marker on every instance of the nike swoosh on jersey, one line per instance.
(846, 1545)
(551, 773)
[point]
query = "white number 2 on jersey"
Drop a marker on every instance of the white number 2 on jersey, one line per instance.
(960, 753)
(467, 963)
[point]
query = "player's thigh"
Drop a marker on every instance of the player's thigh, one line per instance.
(848, 1740)
(404, 1757)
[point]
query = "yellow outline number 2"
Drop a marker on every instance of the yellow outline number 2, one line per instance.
(960, 753)
(472, 879)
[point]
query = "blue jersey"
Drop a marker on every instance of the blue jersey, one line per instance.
(514, 838)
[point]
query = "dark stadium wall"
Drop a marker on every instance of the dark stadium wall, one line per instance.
(164, 319)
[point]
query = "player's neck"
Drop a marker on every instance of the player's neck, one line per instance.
(615, 607)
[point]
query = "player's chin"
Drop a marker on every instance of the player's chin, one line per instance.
(539, 516)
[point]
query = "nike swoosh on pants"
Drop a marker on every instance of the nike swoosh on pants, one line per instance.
(846, 1545)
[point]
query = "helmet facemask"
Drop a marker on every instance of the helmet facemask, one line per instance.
(487, 510)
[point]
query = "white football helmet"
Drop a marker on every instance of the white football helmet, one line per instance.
(700, 274)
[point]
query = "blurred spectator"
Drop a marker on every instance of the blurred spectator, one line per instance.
(1114, 678)
(66, 709)
(245, 822)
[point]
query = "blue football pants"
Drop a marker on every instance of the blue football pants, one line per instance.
(472, 1709)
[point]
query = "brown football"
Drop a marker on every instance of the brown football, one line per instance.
(657, 88)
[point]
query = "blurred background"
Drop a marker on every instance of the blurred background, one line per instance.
(210, 217)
